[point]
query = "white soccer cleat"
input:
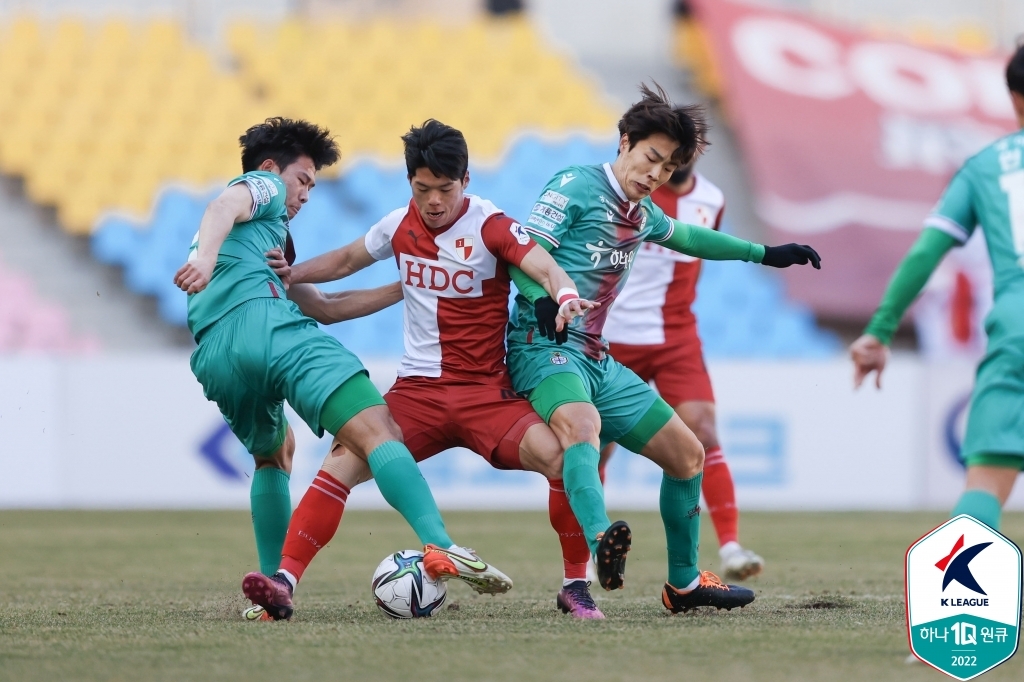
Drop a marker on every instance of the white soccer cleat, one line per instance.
(739, 563)
(464, 564)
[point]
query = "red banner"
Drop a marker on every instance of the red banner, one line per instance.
(849, 139)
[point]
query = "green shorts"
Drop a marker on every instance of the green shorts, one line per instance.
(262, 353)
(995, 423)
(620, 396)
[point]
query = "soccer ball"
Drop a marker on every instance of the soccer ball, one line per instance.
(402, 589)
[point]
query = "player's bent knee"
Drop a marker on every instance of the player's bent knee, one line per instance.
(577, 422)
(367, 430)
(345, 467)
(280, 458)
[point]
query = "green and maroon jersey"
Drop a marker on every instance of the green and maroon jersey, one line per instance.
(593, 232)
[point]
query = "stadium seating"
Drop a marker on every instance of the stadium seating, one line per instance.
(97, 118)
(742, 309)
(127, 129)
(29, 323)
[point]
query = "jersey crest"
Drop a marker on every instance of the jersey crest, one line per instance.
(464, 247)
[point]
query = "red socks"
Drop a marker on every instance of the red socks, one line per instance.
(575, 553)
(314, 523)
(720, 495)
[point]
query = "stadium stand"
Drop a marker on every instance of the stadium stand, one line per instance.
(121, 127)
(29, 323)
(98, 118)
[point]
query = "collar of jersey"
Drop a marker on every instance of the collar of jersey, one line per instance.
(444, 228)
(614, 182)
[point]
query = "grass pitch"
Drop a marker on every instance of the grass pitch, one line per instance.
(149, 595)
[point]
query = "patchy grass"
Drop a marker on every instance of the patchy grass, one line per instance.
(149, 595)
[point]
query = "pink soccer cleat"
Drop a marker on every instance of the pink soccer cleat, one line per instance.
(575, 600)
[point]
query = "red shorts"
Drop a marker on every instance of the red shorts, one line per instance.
(677, 367)
(436, 414)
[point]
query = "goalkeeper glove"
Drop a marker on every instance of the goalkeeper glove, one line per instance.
(790, 254)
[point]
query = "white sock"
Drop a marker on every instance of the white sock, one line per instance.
(728, 548)
(292, 580)
(691, 587)
(568, 581)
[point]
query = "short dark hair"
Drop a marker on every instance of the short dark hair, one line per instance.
(438, 147)
(283, 140)
(654, 113)
(1015, 71)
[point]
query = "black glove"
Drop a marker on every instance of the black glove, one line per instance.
(547, 311)
(790, 254)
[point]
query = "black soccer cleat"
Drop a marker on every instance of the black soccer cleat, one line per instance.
(611, 555)
(709, 592)
(274, 594)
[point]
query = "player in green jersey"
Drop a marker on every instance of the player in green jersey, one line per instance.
(987, 191)
(256, 350)
(593, 219)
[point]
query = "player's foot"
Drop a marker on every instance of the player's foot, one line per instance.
(274, 594)
(739, 563)
(575, 599)
(464, 564)
(710, 591)
(612, 548)
(255, 612)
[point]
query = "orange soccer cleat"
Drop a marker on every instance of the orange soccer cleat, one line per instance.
(464, 564)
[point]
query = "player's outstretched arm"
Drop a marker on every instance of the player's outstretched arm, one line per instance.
(871, 351)
(713, 245)
(343, 305)
(234, 205)
(333, 265)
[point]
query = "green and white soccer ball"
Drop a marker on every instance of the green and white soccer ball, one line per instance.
(402, 589)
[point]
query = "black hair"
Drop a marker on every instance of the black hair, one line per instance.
(283, 140)
(438, 147)
(654, 113)
(1015, 71)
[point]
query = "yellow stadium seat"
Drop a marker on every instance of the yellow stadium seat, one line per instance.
(140, 105)
(972, 39)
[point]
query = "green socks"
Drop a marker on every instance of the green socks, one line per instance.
(980, 504)
(271, 505)
(680, 512)
(584, 490)
(403, 486)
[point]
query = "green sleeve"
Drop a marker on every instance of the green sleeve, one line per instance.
(527, 287)
(268, 194)
(908, 280)
(700, 242)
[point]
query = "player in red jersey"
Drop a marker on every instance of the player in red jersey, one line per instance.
(453, 251)
(653, 331)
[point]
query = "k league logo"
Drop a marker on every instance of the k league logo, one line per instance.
(963, 598)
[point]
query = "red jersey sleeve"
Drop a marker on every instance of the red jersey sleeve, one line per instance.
(506, 239)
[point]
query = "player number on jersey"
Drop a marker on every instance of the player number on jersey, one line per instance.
(1013, 185)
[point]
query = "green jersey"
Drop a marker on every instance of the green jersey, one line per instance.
(594, 232)
(988, 190)
(242, 273)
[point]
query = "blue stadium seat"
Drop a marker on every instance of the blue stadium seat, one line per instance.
(742, 309)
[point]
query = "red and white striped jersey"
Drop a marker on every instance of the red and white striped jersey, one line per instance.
(662, 283)
(456, 285)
